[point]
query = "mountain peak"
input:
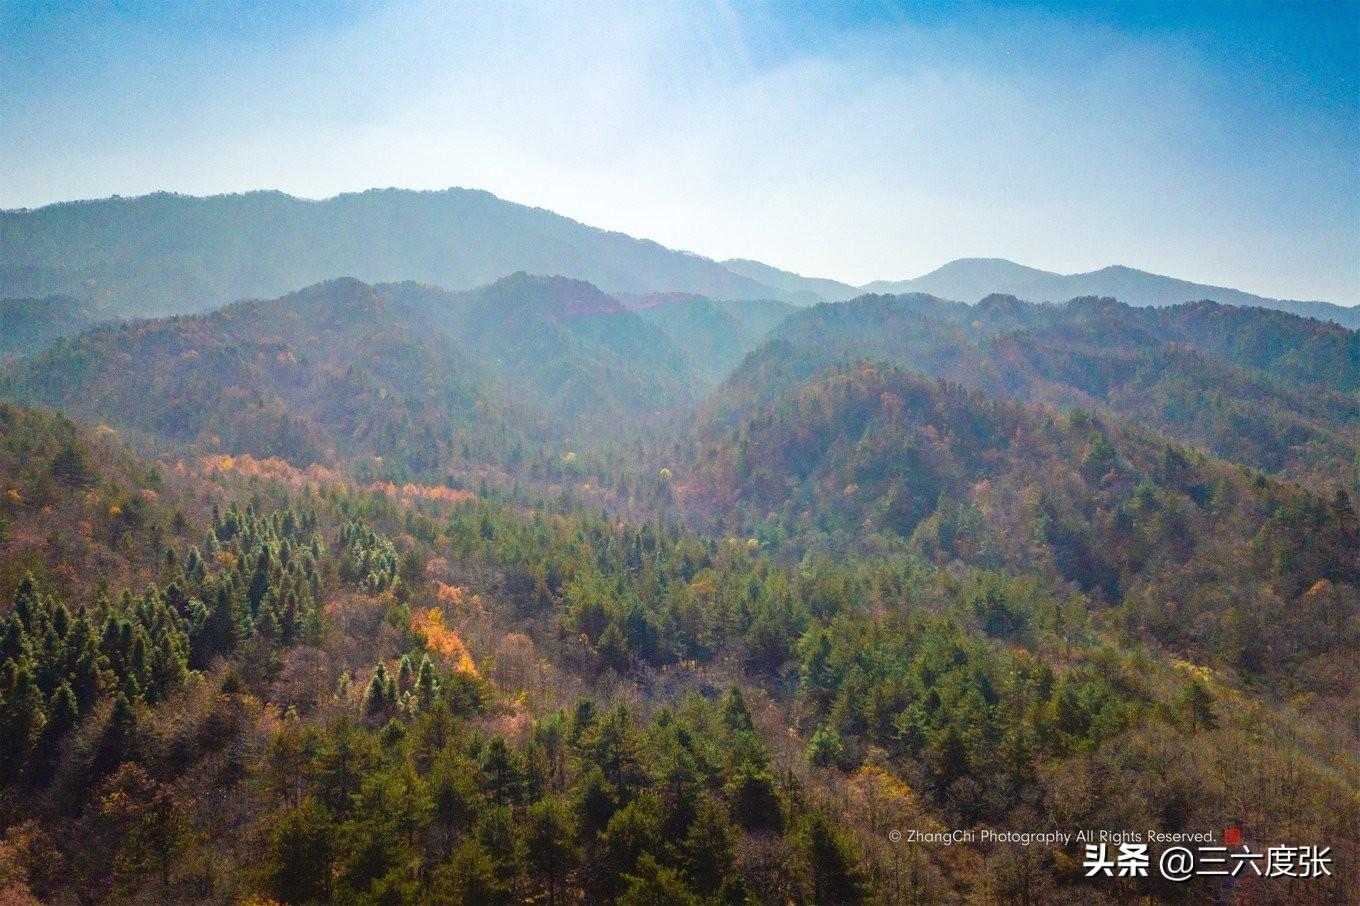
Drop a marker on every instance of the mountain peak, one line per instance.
(132, 256)
(553, 296)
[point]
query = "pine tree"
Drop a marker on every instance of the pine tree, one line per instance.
(613, 648)
(267, 624)
(116, 742)
(735, 715)
(708, 846)
(825, 749)
(13, 641)
(501, 774)
(26, 602)
(298, 860)
(22, 718)
(751, 792)
(595, 802)
(72, 465)
(833, 867)
(549, 845)
(426, 687)
(1196, 704)
(220, 632)
(84, 662)
(63, 713)
(259, 582)
(653, 884)
(469, 878)
(381, 695)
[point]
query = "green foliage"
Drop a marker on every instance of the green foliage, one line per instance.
(367, 558)
(298, 858)
(825, 749)
(832, 865)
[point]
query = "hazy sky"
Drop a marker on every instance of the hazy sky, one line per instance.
(1219, 143)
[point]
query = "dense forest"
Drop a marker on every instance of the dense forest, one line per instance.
(531, 593)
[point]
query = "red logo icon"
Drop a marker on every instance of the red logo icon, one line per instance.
(1232, 836)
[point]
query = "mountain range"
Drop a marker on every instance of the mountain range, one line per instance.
(166, 253)
(428, 379)
(679, 586)
(970, 279)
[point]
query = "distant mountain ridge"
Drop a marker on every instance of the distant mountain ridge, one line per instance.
(797, 288)
(166, 254)
(971, 279)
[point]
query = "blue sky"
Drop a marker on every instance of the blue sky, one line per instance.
(1216, 142)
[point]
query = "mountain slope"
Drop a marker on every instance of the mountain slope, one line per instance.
(1263, 388)
(27, 325)
(712, 335)
(961, 278)
(332, 370)
(802, 290)
(970, 279)
(862, 456)
(77, 504)
(577, 352)
(167, 253)
(421, 377)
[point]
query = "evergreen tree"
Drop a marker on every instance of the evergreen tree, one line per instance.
(825, 748)
(752, 795)
(426, 686)
(116, 742)
(833, 867)
(549, 843)
(1196, 705)
(381, 696)
(63, 713)
(469, 878)
(22, 718)
(298, 860)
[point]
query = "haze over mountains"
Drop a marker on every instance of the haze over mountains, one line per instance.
(166, 253)
(481, 364)
(970, 279)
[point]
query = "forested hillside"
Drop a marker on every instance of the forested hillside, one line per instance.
(166, 253)
(323, 373)
(420, 547)
(28, 325)
(1266, 389)
(864, 457)
(415, 376)
(325, 693)
(712, 335)
(578, 353)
